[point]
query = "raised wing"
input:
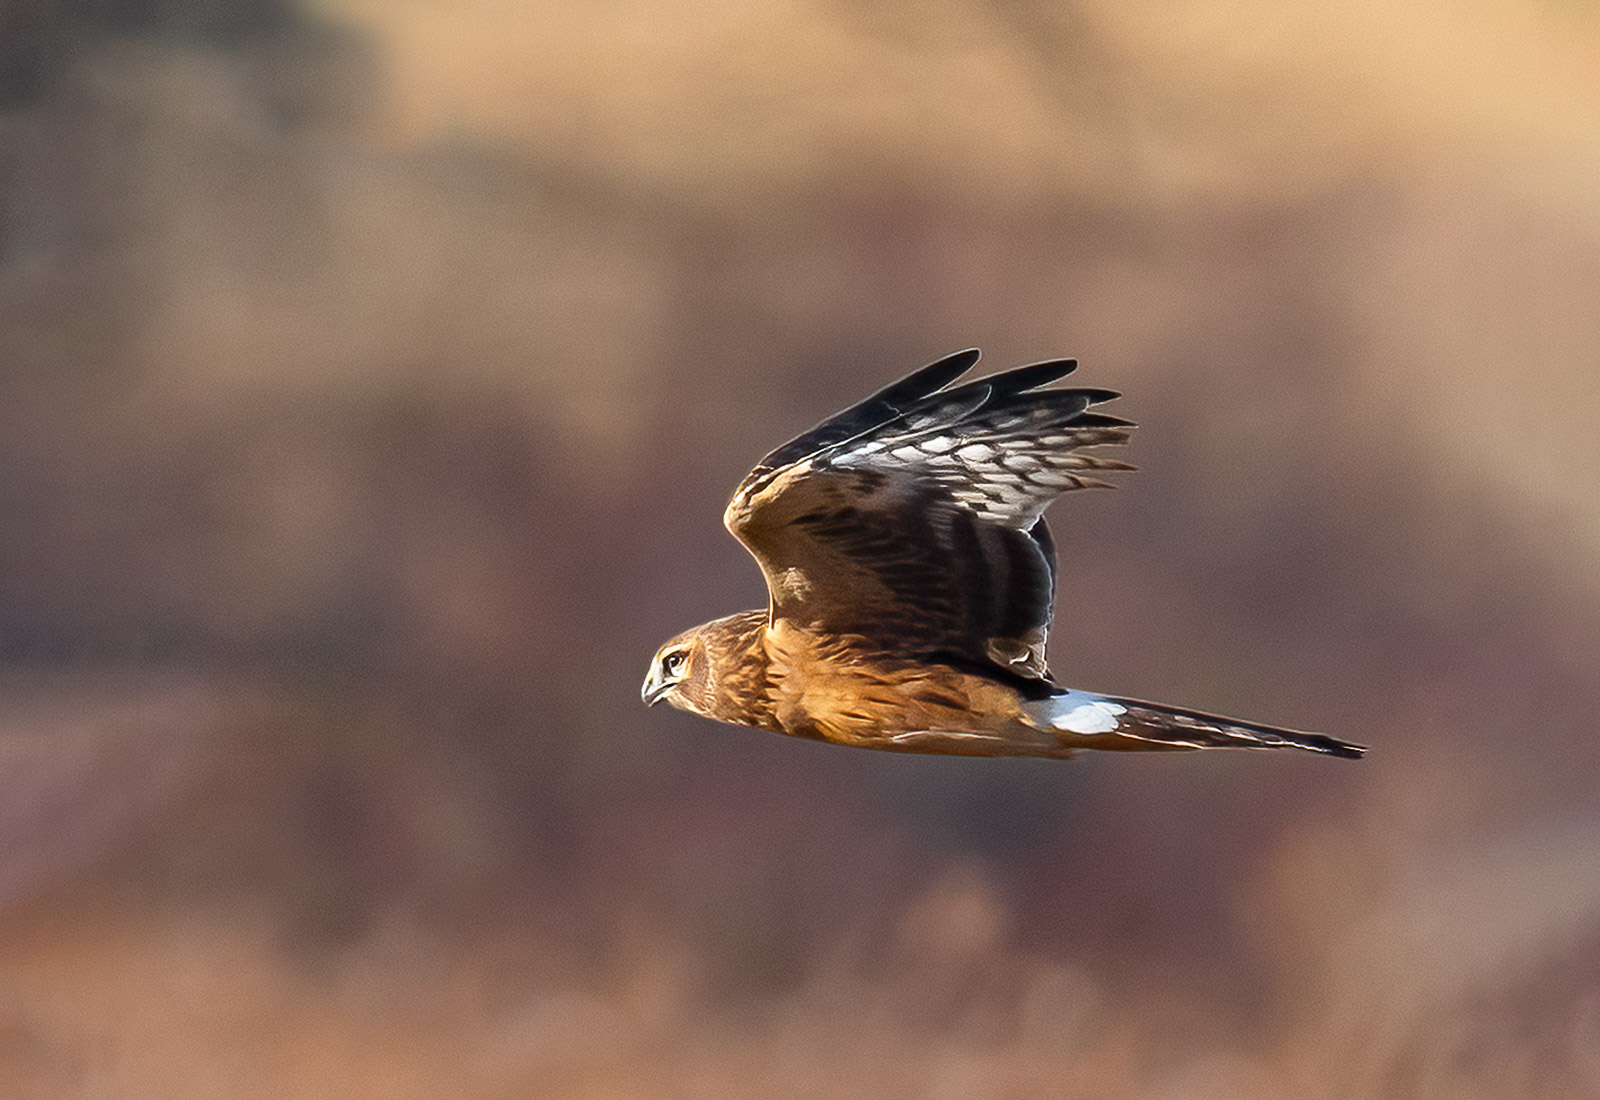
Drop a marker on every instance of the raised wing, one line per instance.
(914, 518)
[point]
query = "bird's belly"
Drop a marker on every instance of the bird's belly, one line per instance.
(902, 707)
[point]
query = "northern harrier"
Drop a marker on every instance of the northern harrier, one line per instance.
(911, 579)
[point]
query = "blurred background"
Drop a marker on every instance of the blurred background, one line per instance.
(372, 379)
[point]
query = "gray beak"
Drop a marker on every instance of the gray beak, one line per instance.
(653, 690)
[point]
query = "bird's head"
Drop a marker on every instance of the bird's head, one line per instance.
(713, 670)
(678, 672)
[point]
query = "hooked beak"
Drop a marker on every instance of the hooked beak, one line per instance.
(654, 690)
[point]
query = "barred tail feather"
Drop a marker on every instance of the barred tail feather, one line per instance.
(1110, 722)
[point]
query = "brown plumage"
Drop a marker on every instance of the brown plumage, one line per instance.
(911, 580)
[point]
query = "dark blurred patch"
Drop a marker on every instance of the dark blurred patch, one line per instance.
(39, 39)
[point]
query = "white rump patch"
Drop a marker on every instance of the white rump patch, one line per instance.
(1080, 712)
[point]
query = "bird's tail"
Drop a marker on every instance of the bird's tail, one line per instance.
(1109, 722)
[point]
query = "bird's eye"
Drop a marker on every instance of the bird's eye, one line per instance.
(672, 662)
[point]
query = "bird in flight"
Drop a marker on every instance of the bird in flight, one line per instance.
(912, 578)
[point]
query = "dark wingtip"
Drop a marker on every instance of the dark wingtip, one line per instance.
(1097, 396)
(1332, 746)
(920, 383)
(1032, 376)
(949, 368)
(1101, 420)
(871, 411)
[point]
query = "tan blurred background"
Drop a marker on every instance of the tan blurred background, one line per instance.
(372, 378)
